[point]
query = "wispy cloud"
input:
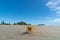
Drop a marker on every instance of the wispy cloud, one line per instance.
(54, 5)
(56, 20)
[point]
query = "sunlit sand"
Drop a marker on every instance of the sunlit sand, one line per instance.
(17, 32)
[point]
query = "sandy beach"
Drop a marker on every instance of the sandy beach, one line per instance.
(16, 32)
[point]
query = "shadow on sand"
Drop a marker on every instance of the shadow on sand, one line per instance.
(25, 33)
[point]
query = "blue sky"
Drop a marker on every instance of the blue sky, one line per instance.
(30, 11)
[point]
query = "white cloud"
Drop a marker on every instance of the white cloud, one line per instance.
(58, 12)
(57, 8)
(51, 4)
(54, 5)
(57, 20)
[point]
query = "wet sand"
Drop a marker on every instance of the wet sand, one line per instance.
(16, 32)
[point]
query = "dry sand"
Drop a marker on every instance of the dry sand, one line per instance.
(16, 32)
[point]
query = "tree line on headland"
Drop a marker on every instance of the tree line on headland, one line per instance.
(18, 23)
